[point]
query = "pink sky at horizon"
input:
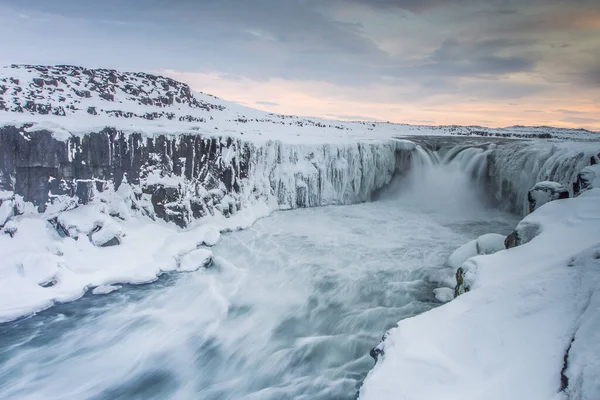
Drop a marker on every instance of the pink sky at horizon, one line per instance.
(320, 99)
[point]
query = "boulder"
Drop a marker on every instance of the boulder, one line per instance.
(106, 233)
(84, 190)
(196, 259)
(444, 294)
(42, 268)
(588, 178)
(544, 192)
(485, 244)
(523, 233)
(6, 212)
(211, 237)
(91, 221)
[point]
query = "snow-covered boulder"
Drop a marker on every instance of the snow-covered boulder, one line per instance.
(9, 228)
(91, 221)
(523, 233)
(486, 244)
(42, 268)
(106, 289)
(211, 237)
(588, 178)
(443, 294)
(544, 192)
(6, 211)
(194, 260)
(106, 233)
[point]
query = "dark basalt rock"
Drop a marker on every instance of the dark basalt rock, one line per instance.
(523, 233)
(376, 352)
(84, 190)
(38, 167)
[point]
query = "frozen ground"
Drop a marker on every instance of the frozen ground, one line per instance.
(289, 310)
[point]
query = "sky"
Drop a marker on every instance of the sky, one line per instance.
(435, 62)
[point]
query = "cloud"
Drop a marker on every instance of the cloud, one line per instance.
(267, 103)
(415, 6)
(582, 120)
(387, 53)
(351, 117)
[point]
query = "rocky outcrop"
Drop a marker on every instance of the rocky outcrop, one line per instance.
(588, 178)
(545, 191)
(180, 178)
(64, 90)
(515, 168)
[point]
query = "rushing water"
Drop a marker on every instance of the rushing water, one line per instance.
(290, 309)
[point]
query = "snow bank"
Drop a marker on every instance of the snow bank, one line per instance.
(41, 267)
(507, 338)
(485, 244)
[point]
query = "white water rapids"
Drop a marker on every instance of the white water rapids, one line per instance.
(289, 310)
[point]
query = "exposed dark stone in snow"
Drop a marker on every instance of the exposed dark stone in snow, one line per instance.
(522, 234)
(585, 179)
(376, 352)
(84, 190)
(40, 165)
(511, 241)
(60, 228)
(460, 287)
(544, 192)
(564, 379)
(112, 242)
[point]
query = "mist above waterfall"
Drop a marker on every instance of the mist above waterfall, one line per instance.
(451, 181)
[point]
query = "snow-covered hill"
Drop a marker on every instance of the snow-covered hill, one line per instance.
(80, 100)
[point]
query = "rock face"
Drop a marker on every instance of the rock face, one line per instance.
(517, 167)
(546, 191)
(186, 177)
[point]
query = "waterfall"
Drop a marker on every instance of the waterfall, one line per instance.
(500, 172)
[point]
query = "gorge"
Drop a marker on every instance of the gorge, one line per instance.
(302, 241)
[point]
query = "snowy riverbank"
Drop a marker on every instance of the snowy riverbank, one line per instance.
(509, 336)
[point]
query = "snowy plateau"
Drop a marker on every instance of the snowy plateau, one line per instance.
(483, 242)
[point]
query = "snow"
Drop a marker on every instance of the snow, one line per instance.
(41, 268)
(195, 260)
(6, 211)
(197, 114)
(109, 230)
(106, 289)
(485, 244)
(443, 295)
(523, 301)
(507, 337)
(591, 174)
